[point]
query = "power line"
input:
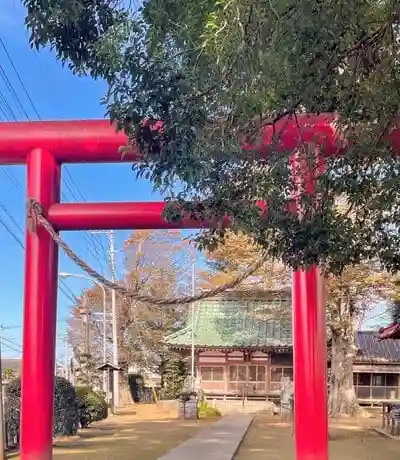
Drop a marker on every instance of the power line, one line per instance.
(78, 197)
(5, 105)
(10, 216)
(68, 179)
(10, 341)
(13, 235)
(12, 91)
(64, 288)
(19, 78)
(12, 178)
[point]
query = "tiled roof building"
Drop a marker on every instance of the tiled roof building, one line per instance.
(243, 343)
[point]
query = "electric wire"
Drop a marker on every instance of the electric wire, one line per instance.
(10, 341)
(12, 234)
(65, 289)
(68, 180)
(11, 217)
(10, 347)
(12, 91)
(19, 78)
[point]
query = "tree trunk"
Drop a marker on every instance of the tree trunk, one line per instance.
(342, 395)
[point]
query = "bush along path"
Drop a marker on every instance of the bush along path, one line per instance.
(74, 408)
(92, 406)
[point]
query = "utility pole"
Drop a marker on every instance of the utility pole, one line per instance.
(87, 364)
(114, 320)
(87, 333)
(2, 430)
(111, 252)
(66, 372)
(193, 320)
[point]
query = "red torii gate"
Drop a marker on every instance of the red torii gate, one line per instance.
(44, 147)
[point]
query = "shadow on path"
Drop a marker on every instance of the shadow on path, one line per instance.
(124, 437)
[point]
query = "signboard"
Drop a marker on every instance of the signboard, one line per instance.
(188, 409)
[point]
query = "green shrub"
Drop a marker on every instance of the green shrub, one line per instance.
(207, 411)
(174, 376)
(65, 418)
(12, 407)
(92, 406)
(65, 415)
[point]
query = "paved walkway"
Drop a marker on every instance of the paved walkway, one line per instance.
(219, 441)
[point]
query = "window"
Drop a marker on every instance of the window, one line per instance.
(206, 373)
(253, 373)
(376, 386)
(364, 380)
(247, 373)
(288, 372)
(260, 373)
(212, 374)
(242, 374)
(218, 373)
(378, 380)
(392, 380)
(257, 373)
(246, 378)
(278, 372)
(233, 374)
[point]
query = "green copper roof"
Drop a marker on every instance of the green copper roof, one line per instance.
(233, 323)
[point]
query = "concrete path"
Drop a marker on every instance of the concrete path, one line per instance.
(219, 441)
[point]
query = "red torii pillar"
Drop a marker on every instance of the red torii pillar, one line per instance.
(44, 147)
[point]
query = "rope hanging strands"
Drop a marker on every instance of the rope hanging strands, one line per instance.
(36, 216)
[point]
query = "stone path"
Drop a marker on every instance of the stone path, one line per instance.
(219, 441)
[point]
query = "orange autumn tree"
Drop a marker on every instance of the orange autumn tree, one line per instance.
(238, 252)
(156, 264)
(348, 298)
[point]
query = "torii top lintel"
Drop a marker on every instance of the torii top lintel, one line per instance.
(96, 141)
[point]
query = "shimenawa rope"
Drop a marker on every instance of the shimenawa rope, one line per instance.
(35, 213)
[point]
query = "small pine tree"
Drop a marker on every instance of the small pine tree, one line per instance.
(86, 370)
(174, 376)
(396, 311)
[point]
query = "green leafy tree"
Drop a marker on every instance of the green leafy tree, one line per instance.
(215, 72)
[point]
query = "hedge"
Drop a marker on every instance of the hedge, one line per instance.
(92, 406)
(65, 418)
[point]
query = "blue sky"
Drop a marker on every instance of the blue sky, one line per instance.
(56, 94)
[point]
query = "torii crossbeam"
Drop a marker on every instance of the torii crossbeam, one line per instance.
(44, 147)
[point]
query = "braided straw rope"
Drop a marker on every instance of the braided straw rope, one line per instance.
(35, 212)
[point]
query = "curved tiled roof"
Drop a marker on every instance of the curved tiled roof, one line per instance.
(233, 323)
(237, 323)
(371, 349)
